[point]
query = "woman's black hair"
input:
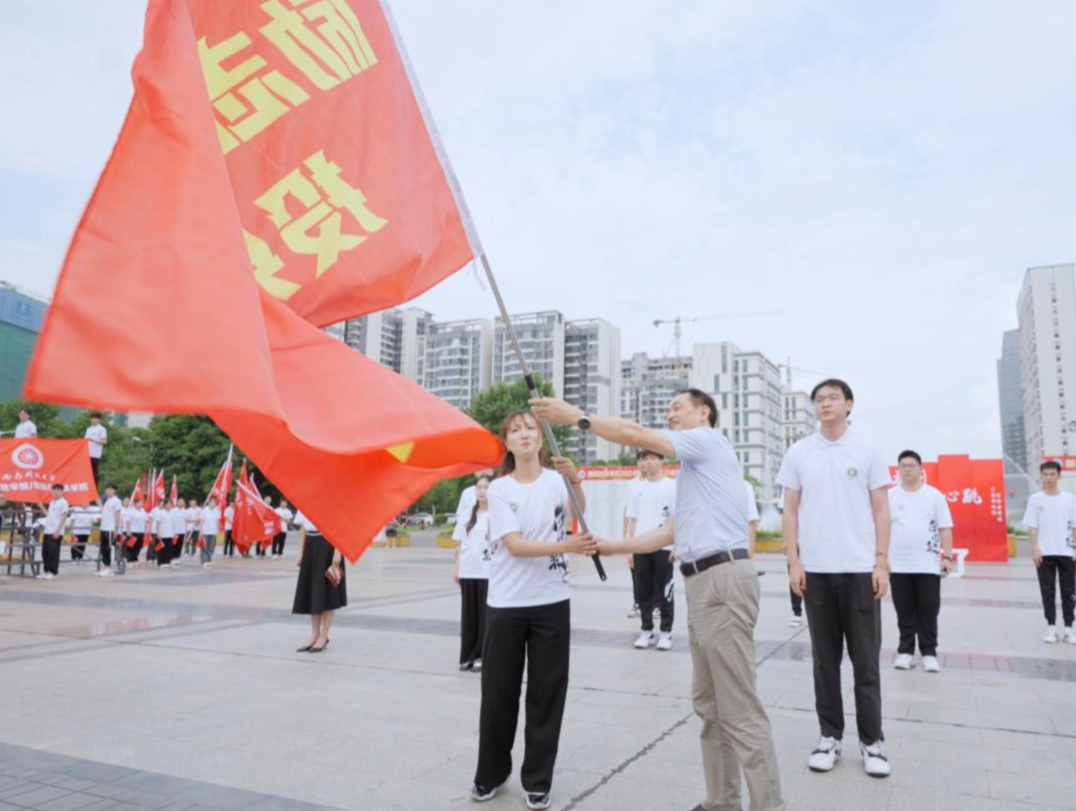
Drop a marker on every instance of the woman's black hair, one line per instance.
(474, 510)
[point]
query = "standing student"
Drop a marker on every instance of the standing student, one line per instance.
(1051, 519)
(473, 557)
(81, 529)
(709, 529)
(179, 527)
(321, 589)
(209, 526)
(111, 523)
(166, 535)
(281, 537)
(137, 519)
(229, 518)
(650, 509)
(528, 617)
(98, 436)
(836, 527)
(920, 552)
(26, 428)
(194, 522)
(53, 535)
(469, 496)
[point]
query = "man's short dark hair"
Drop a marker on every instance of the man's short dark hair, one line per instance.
(833, 383)
(700, 398)
(1051, 465)
(95, 415)
(645, 452)
(56, 487)
(25, 411)
(111, 486)
(910, 455)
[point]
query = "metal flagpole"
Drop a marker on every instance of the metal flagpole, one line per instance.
(547, 431)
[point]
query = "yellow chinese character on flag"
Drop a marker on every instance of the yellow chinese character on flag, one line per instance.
(316, 229)
(244, 101)
(322, 38)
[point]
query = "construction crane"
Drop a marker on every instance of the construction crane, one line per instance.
(789, 368)
(678, 322)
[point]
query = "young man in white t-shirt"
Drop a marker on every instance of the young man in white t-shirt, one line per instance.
(209, 526)
(652, 508)
(1051, 522)
(920, 550)
(286, 516)
(26, 428)
(53, 535)
(836, 530)
(111, 524)
(98, 436)
(710, 532)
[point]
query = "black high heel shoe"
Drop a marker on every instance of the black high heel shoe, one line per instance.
(304, 650)
(319, 650)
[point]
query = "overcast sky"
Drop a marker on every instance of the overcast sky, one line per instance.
(881, 173)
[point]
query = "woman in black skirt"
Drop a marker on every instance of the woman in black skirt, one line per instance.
(473, 557)
(315, 593)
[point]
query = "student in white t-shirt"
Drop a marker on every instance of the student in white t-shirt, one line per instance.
(652, 508)
(53, 535)
(286, 516)
(1051, 522)
(179, 527)
(81, 529)
(709, 530)
(137, 520)
(920, 550)
(229, 518)
(528, 619)
(166, 535)
(209, 526)
(111, 527)
(192, 518)
(473, 557)
(98, 436)
(469, 495)
(26, 428)
(836, 529)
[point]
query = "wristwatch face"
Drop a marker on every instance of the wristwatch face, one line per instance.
(584, 423)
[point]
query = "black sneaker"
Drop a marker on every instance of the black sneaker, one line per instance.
(481, 794)
(536, 800)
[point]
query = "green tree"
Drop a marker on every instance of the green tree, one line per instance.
(46, 417)
(193, 448)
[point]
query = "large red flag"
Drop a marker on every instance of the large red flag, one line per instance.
(222, 485)
(151, 490)
(158, 488)
(139, 491)
(255, 521)
(309, 158)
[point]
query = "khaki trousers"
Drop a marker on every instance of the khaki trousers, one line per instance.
(722, 611)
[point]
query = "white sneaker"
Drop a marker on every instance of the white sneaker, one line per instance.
(664, 641)
(1051, 637)
(931, 665)
(205, 565)
(1070, 637)
(99, 573)
(42, 576)
(645, 640)
(875, 762)
(796, 621)
(107, 573)
(634, 612)
(904, 661)
(825, 755)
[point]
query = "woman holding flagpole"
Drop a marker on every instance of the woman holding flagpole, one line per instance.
(528, 617)
(322, 586)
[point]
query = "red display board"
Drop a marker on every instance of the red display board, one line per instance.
(29, 467)
(975, 490)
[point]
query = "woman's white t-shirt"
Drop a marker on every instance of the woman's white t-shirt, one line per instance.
(916, 518)
(475, 552)
(210, 521)
(136, 520)
(539, 512)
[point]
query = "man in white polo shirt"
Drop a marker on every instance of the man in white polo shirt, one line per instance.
(710, 531)
(1050, 519)
(98, 436)
(920, 550)
(26, 428)
(836, 530)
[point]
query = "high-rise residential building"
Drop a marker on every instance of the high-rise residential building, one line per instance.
(1046, 309)
(458, 360)
(799, 418)
(391, 337)
(22, 314)
(649, 384)
(541, 337)
(592, 381)
(1011, 401)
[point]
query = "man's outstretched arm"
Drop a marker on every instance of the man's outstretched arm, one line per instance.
(622, 432)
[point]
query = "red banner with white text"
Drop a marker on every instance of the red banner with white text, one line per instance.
(30, 467)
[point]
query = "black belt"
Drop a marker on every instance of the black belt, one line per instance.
(688, 569)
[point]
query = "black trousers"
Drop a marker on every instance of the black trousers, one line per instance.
(164, 555)
(278, 543)
(1054, 569)
(78, 548)
(105, 542)
(654, 574)
(95, 464)
(797, 601)
(229, 544)
(50, 554)
(841, 609)
(537, 637)
(917, 598)
(133, 550)
(472, 618)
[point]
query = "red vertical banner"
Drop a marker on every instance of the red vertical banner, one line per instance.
(991, 522)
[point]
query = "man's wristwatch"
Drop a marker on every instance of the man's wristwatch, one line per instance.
(584, 423)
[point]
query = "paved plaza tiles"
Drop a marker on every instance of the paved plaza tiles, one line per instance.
(180, 690)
